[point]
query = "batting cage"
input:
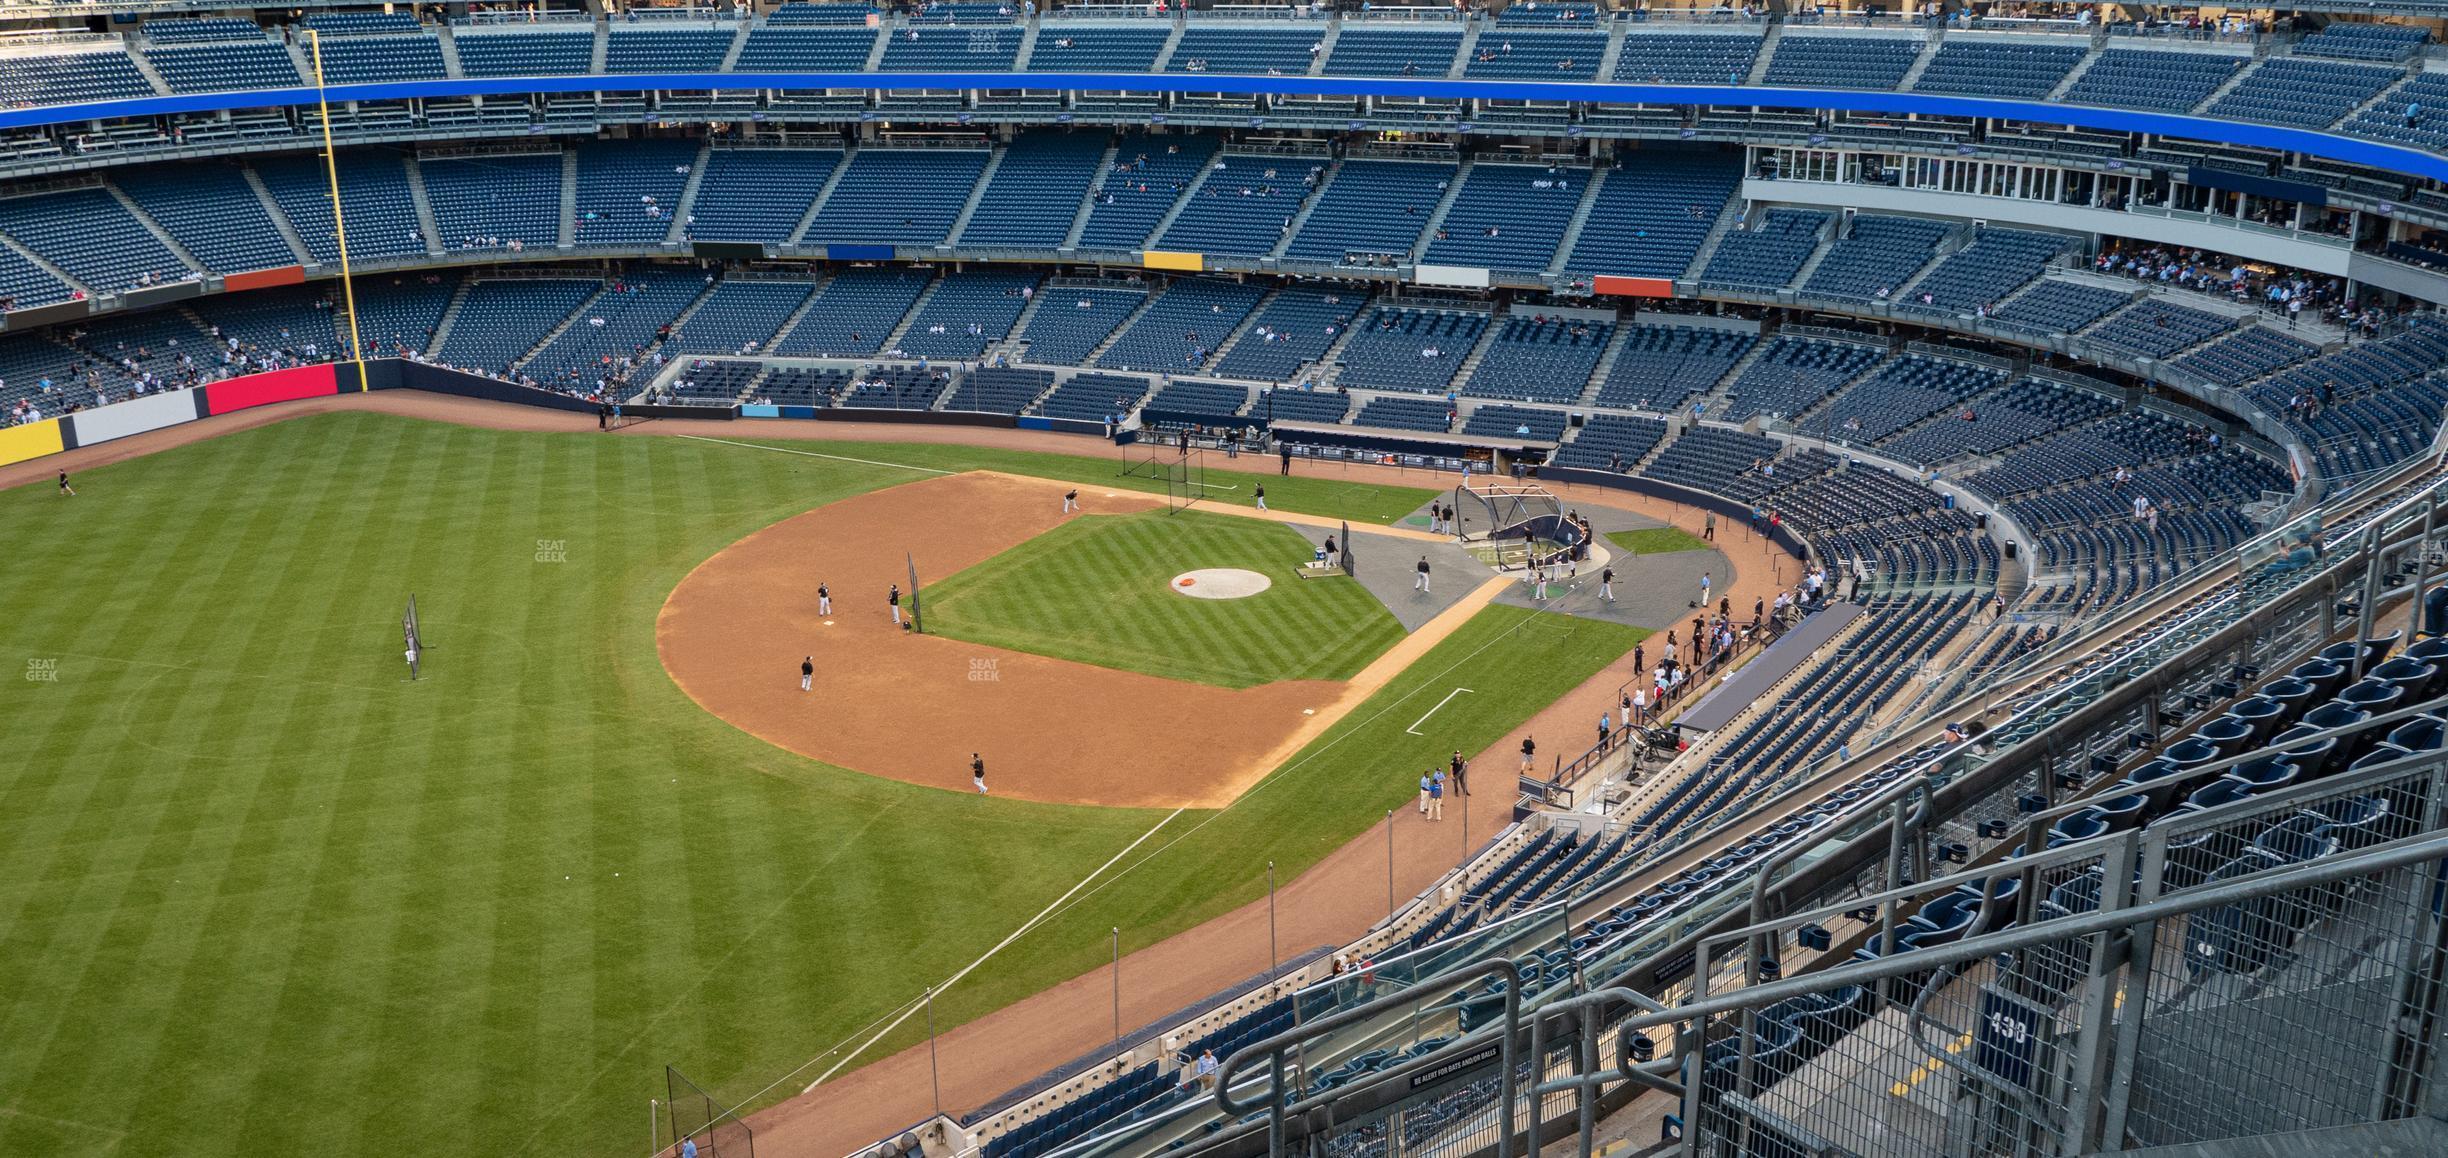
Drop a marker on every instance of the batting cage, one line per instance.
(1508, 523)
(693, 1114)
(1183, 472)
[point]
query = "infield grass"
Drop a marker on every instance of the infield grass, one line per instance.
(1096, 590)
(259, 895)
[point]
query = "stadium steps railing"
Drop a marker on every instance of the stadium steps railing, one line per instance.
(824, 193)
(1079, 216)
(1727, 214)
(1579, 221)
(977, 192)
(892, 341)
(1308, 204)
(1436, 217)
(423, 205)
(567, 238)
(153, 227)
(450, 318)
(686, 204)
(280, 220)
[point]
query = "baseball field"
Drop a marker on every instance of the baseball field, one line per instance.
(259, 893)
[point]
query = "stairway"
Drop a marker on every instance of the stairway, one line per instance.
(1581, 215)
(581, 310)
(1079, 220)
(2220, 93)
(892, 341)
(595, 54)
(1009, 348)
(1921, 63)
(424, 207)
(280, 220)
(1020, 60)
(1317, 60)
(569, 200)
(1732, 212)
(798, 315)
(1714, 398)
(1189, 192)
(1827, 245)
(1616, 342)
(1478, 354)
(1436, 217)
(1767, 54)
(154, 227)
(10, 245)
(1137, 311)
(146, 67)
(450, 317)
(690, 310)
(2074, 77)
(1470, 44)
(1308, 204)
(824, 194)
(739, 41)
(1164, 56)
(687, 201)
(977, 192)
(450, 50)
(1808, 414)
(1221, 348)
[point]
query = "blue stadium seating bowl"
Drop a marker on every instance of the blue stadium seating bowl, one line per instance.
(2420, 734)
(2227, 734)
(2262, 714)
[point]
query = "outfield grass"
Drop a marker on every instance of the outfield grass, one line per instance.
(1313, 488)
(258, 895)
(1096, 590)
(1659, 541)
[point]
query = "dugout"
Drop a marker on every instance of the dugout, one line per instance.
(1485, 454)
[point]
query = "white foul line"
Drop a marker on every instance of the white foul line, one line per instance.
(1414, 728)
(965, 970)
(812, 454)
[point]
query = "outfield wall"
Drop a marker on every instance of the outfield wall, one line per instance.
(177, 407)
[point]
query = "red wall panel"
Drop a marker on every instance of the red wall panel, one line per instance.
(276, 386)
(1633, 287)
(262, 278)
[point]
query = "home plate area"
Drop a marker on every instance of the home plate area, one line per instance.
(1220, 583)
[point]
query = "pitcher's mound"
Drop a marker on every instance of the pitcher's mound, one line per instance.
(1220, 583)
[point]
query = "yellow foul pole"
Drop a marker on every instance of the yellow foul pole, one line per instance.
(331, 168)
